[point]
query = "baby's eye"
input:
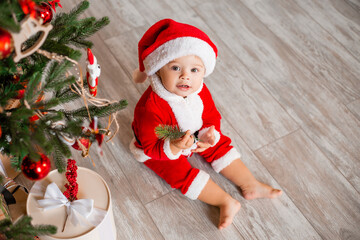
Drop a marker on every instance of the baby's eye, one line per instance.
(194, 70)
(175, 68)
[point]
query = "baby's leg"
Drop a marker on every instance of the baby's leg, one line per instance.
(251, 188)
(196, 184)
(212, 194)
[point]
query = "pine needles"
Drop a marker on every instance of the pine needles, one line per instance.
(167, 131)
(23, 229)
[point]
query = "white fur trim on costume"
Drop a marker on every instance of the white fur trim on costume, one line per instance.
(188, 111)
(216, 133)
(168, 152)
(221, 163)
(138, 152)
(179, 47)
(188, 152)
(197, 185)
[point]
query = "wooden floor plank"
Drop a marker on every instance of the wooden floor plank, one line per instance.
(329, 61)
(260, 218)
(326, 120)
(354, 4)
(355, 108)
(181, 218)
(318, 189)
(124, 49)
(339, 19)
(122, 14)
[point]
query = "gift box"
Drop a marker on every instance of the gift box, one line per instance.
(91, 187)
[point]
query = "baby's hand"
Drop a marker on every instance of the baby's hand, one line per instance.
(209, 136)
(184, 142)
(206, 140)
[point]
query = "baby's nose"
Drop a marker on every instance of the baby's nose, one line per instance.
(185, 75)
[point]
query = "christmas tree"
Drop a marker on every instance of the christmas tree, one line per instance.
(40, 78)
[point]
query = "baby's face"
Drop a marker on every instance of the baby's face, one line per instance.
(183, 75)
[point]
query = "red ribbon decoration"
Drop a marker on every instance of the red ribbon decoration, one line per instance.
(52, 3)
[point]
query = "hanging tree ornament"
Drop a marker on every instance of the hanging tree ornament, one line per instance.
(28, 7)
(36, 169)
(44, 12)
(92, 72)
(53, 4)
(6, 44)
(83, 143)
(29, 26)
(98, 136)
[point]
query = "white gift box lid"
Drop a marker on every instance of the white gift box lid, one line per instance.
(91, 186)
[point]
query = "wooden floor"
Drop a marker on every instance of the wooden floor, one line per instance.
(287, 83)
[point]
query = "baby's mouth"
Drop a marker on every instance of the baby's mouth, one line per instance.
(183, 87)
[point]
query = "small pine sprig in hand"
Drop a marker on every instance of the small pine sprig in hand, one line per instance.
(72, 187)
(167, 131)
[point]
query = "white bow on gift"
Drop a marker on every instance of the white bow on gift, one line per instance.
(79, 211)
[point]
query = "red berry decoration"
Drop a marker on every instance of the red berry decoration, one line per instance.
(6, 44)
(72, 186)
(36, 170)
(45, 13)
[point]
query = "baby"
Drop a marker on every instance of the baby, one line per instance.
(176, 57)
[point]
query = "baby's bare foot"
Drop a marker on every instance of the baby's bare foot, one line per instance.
(227, 212)
(259, 190)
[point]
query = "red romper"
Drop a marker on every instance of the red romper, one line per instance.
(196, 113)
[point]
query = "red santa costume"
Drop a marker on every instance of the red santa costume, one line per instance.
(164, 41)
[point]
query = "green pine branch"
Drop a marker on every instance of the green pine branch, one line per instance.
(97, 111)
(168, 132)
(23, 229)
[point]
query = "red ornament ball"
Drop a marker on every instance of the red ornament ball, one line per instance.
(36, 170)
(6, 44)
(45, 13)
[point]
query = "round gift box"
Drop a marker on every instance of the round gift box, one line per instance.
(91, 186)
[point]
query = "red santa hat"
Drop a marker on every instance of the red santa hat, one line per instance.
(167, 40)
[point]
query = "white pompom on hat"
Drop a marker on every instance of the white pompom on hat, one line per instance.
(167, 40)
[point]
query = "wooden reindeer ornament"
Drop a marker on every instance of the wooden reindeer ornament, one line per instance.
(92, 73)
(29, 26)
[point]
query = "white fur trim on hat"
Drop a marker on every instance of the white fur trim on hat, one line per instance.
(138, 152)
(179, 47)
(221, 163)
(197, 185)
(216, 133)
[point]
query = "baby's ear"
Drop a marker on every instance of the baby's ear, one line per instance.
(139, 77)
